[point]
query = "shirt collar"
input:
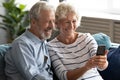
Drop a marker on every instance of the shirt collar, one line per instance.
(33, 37)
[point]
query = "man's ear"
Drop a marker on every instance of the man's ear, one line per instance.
(33, 21)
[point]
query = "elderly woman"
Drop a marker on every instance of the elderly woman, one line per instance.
(73, 54)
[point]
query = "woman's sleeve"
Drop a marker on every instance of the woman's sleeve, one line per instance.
(92, 46)
(58, 66)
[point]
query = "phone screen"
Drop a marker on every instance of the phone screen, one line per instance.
(101, 50)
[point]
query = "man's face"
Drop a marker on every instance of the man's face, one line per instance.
(45, 24)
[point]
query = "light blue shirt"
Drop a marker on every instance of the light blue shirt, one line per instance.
(28, 59)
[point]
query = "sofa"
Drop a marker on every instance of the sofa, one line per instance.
(3, 51)
(111, 73)
(113, 70)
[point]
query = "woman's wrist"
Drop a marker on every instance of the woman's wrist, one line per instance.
(103, 67)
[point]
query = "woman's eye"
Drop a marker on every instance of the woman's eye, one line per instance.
(74, 21)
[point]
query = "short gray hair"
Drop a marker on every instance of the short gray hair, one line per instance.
(63, 9)
(36, 9)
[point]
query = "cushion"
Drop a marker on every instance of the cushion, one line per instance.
(3, 50)
(102, 39)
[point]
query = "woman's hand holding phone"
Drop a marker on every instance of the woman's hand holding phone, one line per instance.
(101, 50)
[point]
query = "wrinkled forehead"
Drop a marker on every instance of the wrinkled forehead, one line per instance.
(69, 16)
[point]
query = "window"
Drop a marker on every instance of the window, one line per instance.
(114, 6)
(94, 8)
(99, 8)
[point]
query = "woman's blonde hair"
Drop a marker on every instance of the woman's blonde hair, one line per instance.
(63, 9)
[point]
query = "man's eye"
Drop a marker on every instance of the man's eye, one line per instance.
(67, 22)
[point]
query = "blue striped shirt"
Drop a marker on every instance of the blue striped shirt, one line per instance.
(28, 59)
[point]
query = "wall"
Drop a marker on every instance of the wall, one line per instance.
(3, 33)
(90, 24)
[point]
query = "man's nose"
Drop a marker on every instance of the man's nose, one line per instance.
(52, 24)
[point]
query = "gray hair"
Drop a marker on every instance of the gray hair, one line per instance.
(63, 9)
(36, 9)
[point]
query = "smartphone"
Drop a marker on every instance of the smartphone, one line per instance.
(101, 50)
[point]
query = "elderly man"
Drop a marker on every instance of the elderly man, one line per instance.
(28, 58)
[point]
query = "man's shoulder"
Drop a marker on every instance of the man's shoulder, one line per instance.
(23, 39)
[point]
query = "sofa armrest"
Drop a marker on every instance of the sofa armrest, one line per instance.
(3, 51)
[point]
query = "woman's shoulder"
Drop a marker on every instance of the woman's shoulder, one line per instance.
(53, 42)
(84, 34)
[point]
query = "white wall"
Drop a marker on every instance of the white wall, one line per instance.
(28, 3)
(3, 33)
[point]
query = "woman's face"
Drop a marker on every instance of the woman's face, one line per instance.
(68, 25)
